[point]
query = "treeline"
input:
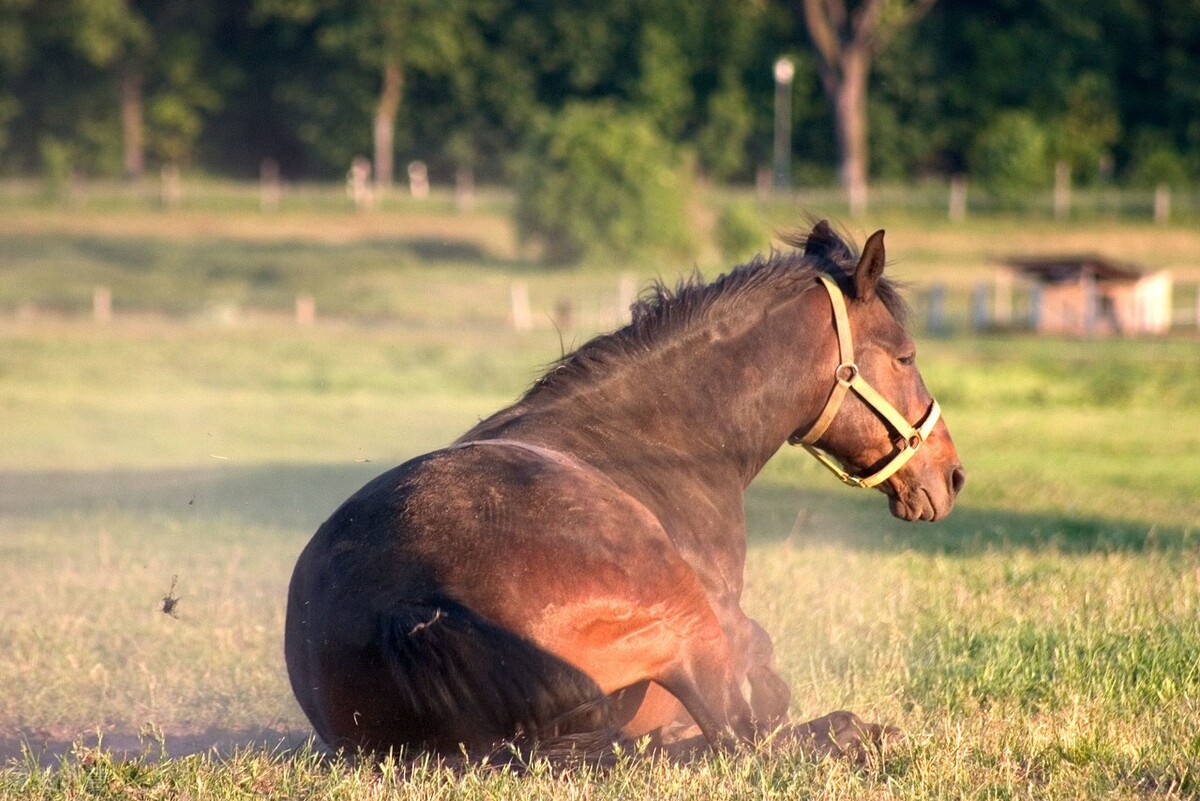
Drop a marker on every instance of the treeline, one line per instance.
(999, 89)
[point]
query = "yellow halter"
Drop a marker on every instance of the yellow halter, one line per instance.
(847, 376)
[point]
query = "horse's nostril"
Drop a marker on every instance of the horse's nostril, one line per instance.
(957, 479)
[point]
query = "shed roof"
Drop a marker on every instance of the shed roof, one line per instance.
(1067, 268)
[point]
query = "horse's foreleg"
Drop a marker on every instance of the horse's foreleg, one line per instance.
(846, 735)
(705, 682)
(769, 693)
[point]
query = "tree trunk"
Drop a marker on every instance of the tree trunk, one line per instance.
(851, 119)
(385, 122)
(133, 140)
(846, 38)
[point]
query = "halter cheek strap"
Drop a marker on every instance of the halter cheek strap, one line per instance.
(847, 378)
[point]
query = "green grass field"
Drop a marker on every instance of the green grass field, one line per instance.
(1044, 642)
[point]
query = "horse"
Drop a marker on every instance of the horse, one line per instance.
(568, 573)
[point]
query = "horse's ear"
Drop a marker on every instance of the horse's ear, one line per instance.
(870, 267)
(821, 240)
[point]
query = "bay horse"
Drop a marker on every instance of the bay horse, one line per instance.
(568, 573)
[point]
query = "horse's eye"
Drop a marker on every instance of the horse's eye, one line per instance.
(907, 361)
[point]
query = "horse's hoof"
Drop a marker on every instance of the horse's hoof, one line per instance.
(845, 735)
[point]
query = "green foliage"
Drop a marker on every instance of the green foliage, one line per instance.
(1011, 158)
(721, 142)
(740, 232)
(227, 82)
(180, 102)
(1088, 127)
(663, 92)
(906, 121)
(1155, 160)
(56, 164)
(600, 183)
(107, 31)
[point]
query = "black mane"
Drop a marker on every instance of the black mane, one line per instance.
(663, 313)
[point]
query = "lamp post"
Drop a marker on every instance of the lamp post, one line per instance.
(785, 71)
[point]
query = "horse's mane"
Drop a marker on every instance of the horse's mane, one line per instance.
(663, 313)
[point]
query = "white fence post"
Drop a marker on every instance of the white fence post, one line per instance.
(958, 198)
(270, 187)
(102, 304)
(306, 309)
(418, 179)
(1162, 203)
(1062, 190)
(464, 190)
(172, 186)
(522, 317)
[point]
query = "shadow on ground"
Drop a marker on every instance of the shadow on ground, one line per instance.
(854, 519)
(301, 496)
(284, 496)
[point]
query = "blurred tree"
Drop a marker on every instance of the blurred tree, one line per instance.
(907, 136)
(1086, 129)
(847, 36)
(390, 37)
(182, 78)
(663, 87)
(102, 81)
(1157, 80)
(111, 86)
(721, 141)
(16, 51)
(54, 107)
(1071, 64)
(116, 36)
(1011, 158)
(1154, 159)
(598, 182)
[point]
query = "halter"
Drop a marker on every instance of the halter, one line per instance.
(907, 439)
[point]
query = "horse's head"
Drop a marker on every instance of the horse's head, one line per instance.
(877, 426)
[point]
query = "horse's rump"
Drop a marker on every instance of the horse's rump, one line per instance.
(449, 679)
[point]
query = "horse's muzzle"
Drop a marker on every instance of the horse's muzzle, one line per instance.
(926, 501)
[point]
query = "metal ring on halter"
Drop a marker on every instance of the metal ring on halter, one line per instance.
(846, 373)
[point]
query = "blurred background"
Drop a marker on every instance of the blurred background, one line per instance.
(614, 134)
(1003, 92)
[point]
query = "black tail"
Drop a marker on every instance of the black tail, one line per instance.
(460, 680)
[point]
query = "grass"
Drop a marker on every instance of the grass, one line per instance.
(1039, 643)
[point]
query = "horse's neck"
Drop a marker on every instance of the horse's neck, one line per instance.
(686, 428)
(714, 403)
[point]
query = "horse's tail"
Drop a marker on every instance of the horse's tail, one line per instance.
(462, 681)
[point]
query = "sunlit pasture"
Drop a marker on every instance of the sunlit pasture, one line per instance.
(1042, 642)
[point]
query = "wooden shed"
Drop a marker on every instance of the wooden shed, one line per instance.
(1090, 295)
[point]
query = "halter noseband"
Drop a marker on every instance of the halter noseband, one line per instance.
(847, 376)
